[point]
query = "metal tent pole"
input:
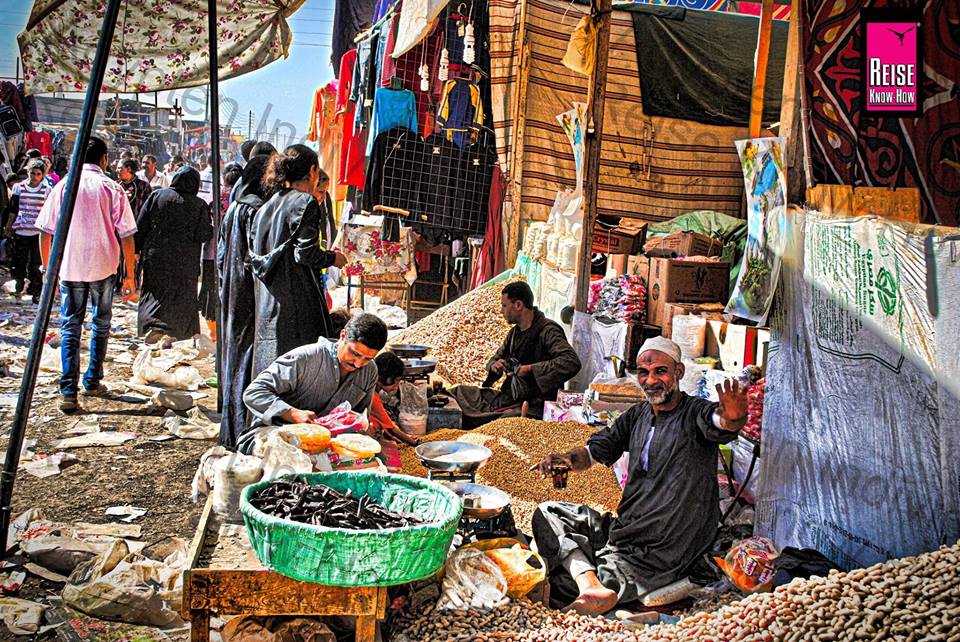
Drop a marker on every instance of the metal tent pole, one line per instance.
(28, 383)
(215, 159)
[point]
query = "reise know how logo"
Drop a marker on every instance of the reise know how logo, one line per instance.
(891, 62)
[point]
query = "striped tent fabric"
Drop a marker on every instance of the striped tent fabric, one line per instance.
(652, 168)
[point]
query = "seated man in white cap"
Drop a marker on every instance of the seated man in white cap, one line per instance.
(669, 512)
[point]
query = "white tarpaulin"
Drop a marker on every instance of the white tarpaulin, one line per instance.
(861, 433)
(157, 45)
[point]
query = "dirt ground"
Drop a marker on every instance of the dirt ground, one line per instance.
(154, 475)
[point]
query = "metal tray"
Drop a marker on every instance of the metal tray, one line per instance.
(408, 350)
(493, 501)
(418, 367)
(453, 456)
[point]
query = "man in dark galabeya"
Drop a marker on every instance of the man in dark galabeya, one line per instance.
(669, 511)
(536, 359)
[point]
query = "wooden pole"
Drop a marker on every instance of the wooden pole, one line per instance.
(790, 119)
(214, 103)
(760, 67)
(595, 108)
(511, 236)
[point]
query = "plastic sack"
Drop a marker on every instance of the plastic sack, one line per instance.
(582, 49)
(690, 333)
(413, 408)
(137, 588)
(749, 565)
(163, 369)
(472, 581)
(523, 569)
(230, 475)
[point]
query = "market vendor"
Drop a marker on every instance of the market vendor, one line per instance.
(312, 380)
(669, 511)
(535, 358)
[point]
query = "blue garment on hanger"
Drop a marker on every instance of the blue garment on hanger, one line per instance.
(392, 108)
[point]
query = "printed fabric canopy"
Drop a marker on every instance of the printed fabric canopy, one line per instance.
(158, 44)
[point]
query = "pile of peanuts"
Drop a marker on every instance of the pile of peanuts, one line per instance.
(913, 598)
(463, 335)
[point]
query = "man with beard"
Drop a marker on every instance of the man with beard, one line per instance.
(669, 511)
(535, 358)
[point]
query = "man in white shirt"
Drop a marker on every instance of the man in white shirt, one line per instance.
(152, 174)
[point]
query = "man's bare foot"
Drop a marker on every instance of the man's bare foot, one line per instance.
(594, 601)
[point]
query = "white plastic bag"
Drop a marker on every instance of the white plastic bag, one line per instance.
(230, 475)
(163, 369)
(283, 458)
(690, 333)
(472, 581)
(412, 418)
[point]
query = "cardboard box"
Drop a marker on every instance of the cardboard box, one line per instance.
(616, 265)
(763, 343)
(734, 345)
(708, 310)
(677, 281)
(683, 244)
(622, 264)
(638, 266)
(626, 238)
(842, 201)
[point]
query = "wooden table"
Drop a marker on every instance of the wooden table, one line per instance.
(226, 578)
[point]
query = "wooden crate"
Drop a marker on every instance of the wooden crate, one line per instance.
(226, 578)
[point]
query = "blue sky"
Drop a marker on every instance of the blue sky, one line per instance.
(291, 81)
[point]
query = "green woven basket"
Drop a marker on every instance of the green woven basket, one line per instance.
(344, 557)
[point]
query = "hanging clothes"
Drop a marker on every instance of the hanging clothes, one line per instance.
(362, 91)
(416, 23)
(350, 17)
(330, 138)
(388, 38)
(490, 259)
(381, 8)
(350, 169)
(461, 110)
(39, 140)
(391, 108)
(313, 125)
(425, 53)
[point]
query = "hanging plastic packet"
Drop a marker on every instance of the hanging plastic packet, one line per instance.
(444, 73)
(469, 45)
(424, 74)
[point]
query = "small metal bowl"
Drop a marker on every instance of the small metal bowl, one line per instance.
(453, 456)
(418, 367)
(408, 350)
(493, 501)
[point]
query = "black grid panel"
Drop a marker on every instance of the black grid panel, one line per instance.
(443, 187)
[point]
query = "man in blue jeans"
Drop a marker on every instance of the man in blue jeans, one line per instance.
(101, 216)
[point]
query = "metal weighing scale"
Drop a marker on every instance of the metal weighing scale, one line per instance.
(486, 514)
(452, 461)
(486, 510)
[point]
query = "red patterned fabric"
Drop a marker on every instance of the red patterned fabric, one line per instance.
(847, 148)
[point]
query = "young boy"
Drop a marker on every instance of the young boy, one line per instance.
(389, 370)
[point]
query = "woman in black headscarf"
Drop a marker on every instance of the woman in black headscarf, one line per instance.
(171, 229)
(287, 259)
(236, 294)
